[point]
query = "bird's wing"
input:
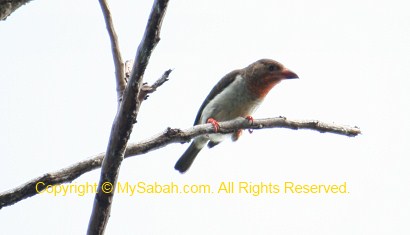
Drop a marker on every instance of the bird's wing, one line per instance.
(218, 88)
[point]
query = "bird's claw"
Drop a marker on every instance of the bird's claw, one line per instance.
(250, 119)
(214, 123)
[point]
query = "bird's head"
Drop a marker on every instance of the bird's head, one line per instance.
(264, 74)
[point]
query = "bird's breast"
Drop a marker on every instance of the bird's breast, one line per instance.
(234, 101)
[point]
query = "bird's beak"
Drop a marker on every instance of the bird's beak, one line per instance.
(287, 74)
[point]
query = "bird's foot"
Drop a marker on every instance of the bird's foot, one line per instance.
(250, 119)
(214, 123)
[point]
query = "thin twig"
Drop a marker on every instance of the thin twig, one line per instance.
(169, 136)
(148, 89)
(124, 120)
(115, 48)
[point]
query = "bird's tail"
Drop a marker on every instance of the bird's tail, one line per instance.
(186, 160)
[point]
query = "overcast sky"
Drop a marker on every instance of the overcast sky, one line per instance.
(58, 101)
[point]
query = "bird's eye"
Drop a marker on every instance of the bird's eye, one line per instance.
(273, 67)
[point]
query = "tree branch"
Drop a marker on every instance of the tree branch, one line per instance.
(9, 6)
(123, 123)
(148, 89)
(115, 48)
(169, 136)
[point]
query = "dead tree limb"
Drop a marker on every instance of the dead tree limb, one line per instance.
(169, 136)
(115, 49)
(9, 6)
(124, 120)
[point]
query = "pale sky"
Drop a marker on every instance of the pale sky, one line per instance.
(58, 101)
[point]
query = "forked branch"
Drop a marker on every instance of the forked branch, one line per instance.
(126, 115)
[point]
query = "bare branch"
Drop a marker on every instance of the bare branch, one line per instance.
(65, 175)
(115, 48)
(161, 140)
(147, 89)
(9, 6)
(128, 69)
(123, 123)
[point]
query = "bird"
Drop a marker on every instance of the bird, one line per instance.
(237, 94)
